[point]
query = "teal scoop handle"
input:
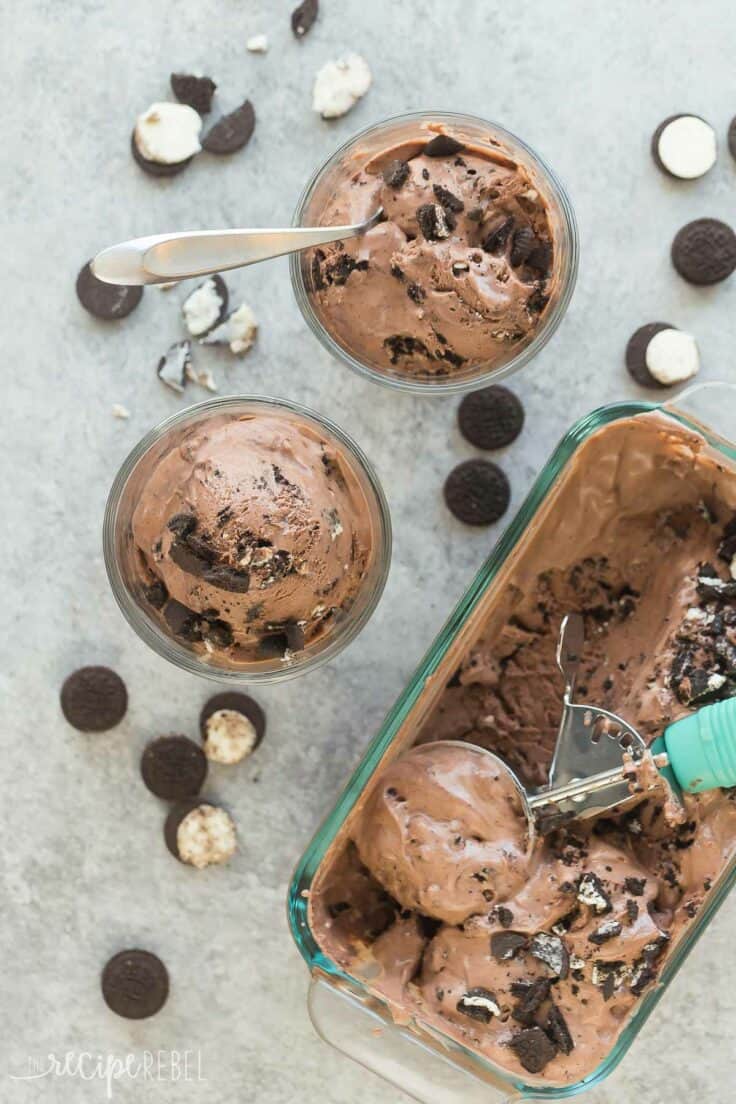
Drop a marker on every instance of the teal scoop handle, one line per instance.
(701, 748)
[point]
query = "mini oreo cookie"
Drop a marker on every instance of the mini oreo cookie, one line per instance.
(196, 92)
(704, 251)
(232, 131)
(94, 699)
(684, 146)
(200, 834)
(477, 492)
(491, 418)
(232, 726)
(106, 301)
(157, 168)
(173, 767)
(135, 984)
(636, 353)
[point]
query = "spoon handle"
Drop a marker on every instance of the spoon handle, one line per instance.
(159, 258)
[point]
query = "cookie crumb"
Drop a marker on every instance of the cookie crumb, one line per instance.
(339, 85)
(257, 44)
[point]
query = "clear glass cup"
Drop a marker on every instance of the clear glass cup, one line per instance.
(403, 128)
(121, 554)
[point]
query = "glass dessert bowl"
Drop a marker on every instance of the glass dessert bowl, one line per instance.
(468, 275)
(247, 539)
(452, 986)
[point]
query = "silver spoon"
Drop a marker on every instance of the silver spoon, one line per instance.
(161, 258)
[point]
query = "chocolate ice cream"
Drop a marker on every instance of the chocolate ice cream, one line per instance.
(457, 275)
(440, 829)
(542, 974)
(253, 536)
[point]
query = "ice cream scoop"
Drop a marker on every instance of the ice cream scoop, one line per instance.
(589, 776)
(695, 754)
(601, 762)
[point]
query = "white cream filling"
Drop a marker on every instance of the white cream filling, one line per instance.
(205, 837)
(257, 44)
(168, 133)
(229, 737)
(481, 1002)
(672, 356)
(202, 308)
(238, 331)
(339, 85)
(687, 147)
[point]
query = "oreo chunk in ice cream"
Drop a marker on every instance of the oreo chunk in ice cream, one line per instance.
(533, 1048)
(505, 945)
(551, 950)
(479, 1004)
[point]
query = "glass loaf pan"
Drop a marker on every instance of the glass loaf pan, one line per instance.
(425, 1063)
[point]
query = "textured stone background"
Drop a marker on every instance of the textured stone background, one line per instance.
(84, 869)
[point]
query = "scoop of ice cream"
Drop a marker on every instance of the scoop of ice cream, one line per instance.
(254, 536)
(456, 276)
(444, 832)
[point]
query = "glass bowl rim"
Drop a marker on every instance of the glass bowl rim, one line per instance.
(175, 653)
(448, 386)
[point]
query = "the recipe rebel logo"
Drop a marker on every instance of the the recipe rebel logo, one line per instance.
(179, 1067)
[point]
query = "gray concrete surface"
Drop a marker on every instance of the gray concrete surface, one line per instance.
(84, 871)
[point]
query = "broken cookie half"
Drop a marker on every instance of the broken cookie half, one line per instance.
(200, 834)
